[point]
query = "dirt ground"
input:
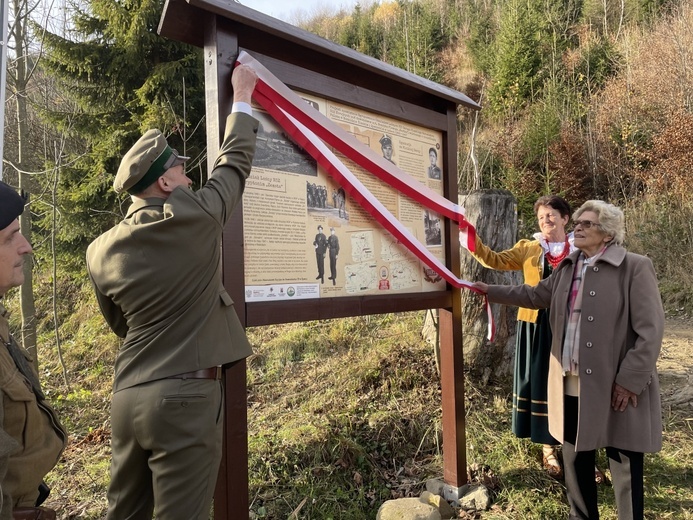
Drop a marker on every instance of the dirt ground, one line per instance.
(676, 364)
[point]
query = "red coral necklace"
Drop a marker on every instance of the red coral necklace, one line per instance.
(555, 260)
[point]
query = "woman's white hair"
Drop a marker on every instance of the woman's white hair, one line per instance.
(611, 218)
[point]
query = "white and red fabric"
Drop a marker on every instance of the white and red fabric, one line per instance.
(312, 131)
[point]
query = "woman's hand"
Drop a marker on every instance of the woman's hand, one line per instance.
(481, 287)
(620, 397)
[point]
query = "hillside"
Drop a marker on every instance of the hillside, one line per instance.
(345, 414)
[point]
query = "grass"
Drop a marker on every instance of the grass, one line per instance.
(338, 421)
(666, 238)
(344, 415)
(360, 424)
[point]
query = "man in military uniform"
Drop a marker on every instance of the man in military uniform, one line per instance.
(341, 203)
(31, 437)
(157, 278)
(333, 246)
(433, 170)
(386, 147)
(320, 244)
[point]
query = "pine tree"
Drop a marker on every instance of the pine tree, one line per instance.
(518, 57)
(125, 79)
(418, 39)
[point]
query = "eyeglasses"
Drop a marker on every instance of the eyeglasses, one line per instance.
(586, 224)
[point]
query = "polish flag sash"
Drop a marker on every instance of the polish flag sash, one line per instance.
(312, 131)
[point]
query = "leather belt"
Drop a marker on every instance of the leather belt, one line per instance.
(203, 373)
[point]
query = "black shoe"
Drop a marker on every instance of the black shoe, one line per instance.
(333, 282)
(318, 277)
(322, 280)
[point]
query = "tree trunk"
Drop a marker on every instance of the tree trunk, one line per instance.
(494, 215)
(26, 293)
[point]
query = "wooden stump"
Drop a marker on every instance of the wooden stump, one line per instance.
(494, 215)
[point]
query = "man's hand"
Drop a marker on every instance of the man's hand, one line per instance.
(243, 81)
(621, 396)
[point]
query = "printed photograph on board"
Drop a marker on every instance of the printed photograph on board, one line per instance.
(307, 236)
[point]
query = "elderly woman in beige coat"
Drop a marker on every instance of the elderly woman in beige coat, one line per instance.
(607, 321)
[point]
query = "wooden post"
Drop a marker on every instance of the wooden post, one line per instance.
(231, 494)
(450, 335)
(452, 385)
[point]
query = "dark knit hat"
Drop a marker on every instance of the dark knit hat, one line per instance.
(11, 205)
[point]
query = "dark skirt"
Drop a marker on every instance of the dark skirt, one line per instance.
(532, 352)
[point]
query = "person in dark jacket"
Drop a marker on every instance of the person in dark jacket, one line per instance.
(333, 246)
(434, 172)
(320, 245)
(386, 147)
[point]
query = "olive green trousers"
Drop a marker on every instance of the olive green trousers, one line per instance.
(166, 449)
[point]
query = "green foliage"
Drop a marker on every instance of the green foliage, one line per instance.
(407, 34)
(124, 79)
(663, 235)
(361, 34)
(542, 129)
(482, 33)
(524, 185)
(421, 37)
(610, 17)
(597, 61)
(518, 57)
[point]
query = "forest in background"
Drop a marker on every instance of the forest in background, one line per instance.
(584, 98)
(588, 99)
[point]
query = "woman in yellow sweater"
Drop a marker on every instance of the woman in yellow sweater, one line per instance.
(536, 258)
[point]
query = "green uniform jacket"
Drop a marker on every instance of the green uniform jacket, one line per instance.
(157, 274)
(31, 437)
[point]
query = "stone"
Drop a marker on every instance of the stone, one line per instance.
(444, 508)
(476, 498)
(407, 509)
(435, 486)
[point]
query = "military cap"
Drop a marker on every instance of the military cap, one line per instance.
(385, 140)
(11, 205)
(145, 162)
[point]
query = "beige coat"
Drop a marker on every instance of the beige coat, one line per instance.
(526, 256)
(620, 339)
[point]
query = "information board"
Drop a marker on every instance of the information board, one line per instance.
(305, 238)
